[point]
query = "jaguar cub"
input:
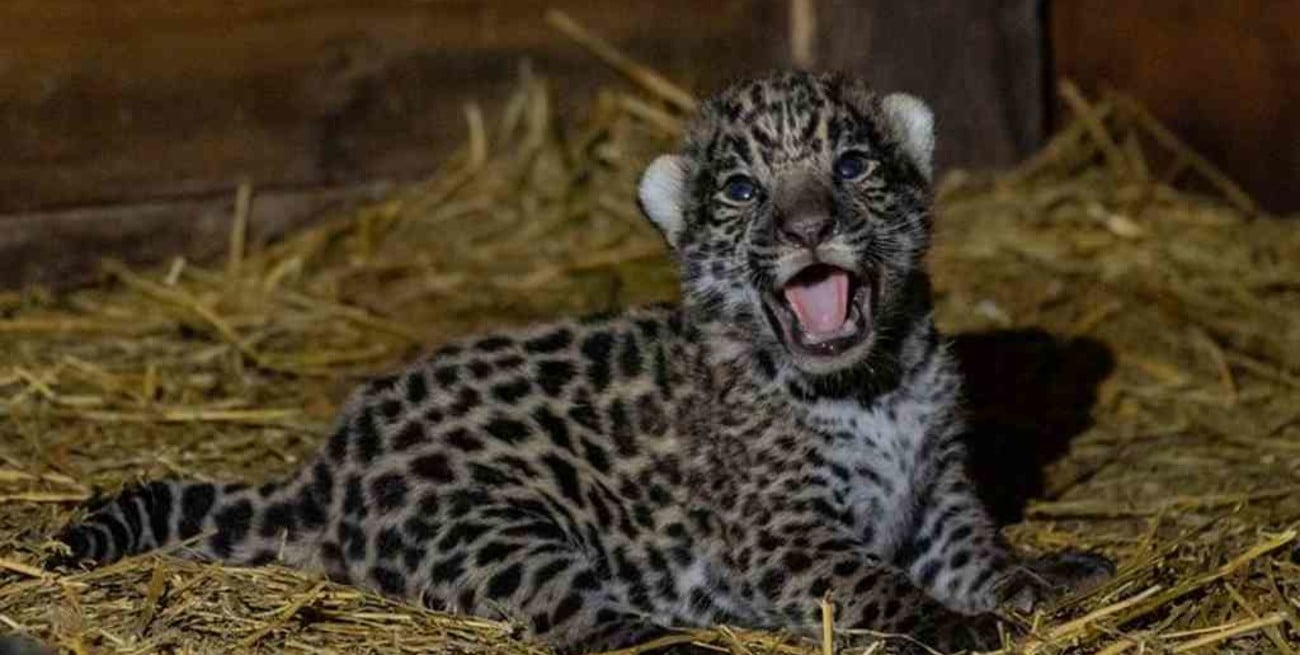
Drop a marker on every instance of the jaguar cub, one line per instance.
(789, 430)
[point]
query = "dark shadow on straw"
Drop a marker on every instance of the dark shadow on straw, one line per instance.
(1028, 394)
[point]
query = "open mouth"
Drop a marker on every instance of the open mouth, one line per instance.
(823, 311)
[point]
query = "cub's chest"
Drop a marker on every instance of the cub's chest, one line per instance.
(878, 456)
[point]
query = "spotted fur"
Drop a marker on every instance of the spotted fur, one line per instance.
(598, 481)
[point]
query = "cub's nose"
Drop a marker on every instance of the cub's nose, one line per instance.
(805, 230)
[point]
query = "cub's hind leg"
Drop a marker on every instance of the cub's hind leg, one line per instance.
(867, 594)
(555, 594)
(505, 555)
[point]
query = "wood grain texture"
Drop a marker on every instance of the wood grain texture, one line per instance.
(1222, 75)
(125, 125)
(66, 248)
(980, 64)
(106, 102)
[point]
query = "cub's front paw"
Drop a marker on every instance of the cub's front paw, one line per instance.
(1073, 570)
(1038, 581)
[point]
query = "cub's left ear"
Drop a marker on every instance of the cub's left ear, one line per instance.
(913, 125)
(663, 195)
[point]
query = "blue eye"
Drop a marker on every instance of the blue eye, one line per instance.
(852, 165)
(740, 188)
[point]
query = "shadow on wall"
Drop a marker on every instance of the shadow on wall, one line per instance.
(1028, 394)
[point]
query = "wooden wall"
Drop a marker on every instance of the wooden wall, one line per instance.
(981, 64)
(1223, 75)
(126, 126)
(122, 101)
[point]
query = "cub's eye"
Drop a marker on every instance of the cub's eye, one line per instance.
(740, 188)
(853, 165)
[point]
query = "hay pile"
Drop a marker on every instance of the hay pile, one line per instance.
(1137, 343)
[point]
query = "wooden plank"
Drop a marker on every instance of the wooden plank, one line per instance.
(150, 111)
(1222, 75)
(62, 249)
(980, 64)
(105, 102)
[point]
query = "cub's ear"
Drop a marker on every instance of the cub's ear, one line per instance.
(912, 123)
(662, 193)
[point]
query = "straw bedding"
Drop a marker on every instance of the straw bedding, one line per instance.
(1128, 323)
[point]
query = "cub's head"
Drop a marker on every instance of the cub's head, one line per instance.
(799, 211)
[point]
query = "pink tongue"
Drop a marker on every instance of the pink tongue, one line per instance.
(820, 306)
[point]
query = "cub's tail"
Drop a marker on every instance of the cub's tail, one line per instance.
(234, 523)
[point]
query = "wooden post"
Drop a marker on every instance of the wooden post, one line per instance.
(980, 64)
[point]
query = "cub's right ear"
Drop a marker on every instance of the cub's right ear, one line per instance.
(662, 193)
(913, 125)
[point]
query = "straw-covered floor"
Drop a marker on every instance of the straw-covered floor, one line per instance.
(1134, 354)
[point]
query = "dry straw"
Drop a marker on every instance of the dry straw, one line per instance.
(1125, 246)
